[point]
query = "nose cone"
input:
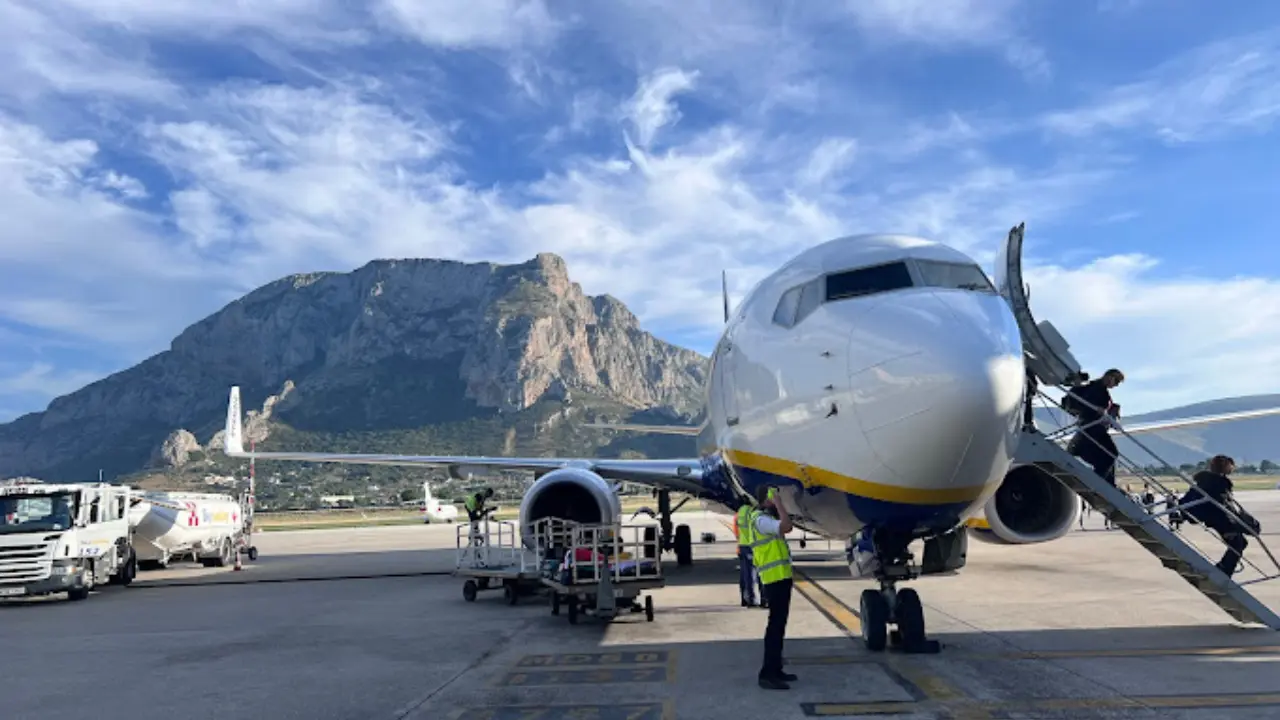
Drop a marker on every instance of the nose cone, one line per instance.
(943, 413)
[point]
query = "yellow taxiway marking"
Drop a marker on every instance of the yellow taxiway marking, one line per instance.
(1062, 654)
(932, 687)
(958, 708)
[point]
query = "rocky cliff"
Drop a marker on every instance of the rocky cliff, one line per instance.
(393, 347)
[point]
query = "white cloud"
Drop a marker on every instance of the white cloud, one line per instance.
(1224, 86)
(1178, 339)
(44, 380)
(652, 107)
(502, 24)
(952, 24)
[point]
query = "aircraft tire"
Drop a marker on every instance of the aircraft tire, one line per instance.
(875, 620)
(684, 545)
(648, 608)
(909, 615)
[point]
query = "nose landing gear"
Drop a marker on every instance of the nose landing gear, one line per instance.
(890, 606)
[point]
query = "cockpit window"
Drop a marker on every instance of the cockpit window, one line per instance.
(867, 281)
(956, 276)
(785, 313)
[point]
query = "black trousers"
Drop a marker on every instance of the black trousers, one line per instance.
(1101, 459)
(779, 596)
(1236, 544)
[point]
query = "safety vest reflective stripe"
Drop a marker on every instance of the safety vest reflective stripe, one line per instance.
(770, 555)
(746, 531)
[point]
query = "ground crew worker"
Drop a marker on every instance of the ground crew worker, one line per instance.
(1093, 443)
(772, 560)
(476, 512)
(748, 578)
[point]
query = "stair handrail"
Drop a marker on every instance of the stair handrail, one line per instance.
(1146, 477)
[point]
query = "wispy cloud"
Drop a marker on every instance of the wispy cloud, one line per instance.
(1222, 87)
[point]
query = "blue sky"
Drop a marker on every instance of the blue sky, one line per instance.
(159, 159)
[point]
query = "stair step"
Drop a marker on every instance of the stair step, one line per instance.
(1137, 522)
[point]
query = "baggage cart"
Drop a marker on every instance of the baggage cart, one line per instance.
(600, 570)
(490, 556)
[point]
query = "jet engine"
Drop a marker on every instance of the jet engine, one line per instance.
(1031, 506)
(569, 493)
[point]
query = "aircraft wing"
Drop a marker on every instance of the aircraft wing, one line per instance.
(655, 429)
(683, 475)
(1174, 423)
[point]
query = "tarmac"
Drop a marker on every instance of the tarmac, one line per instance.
(369, 623)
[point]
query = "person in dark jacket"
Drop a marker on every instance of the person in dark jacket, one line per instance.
(1093, 444)
(1215, 484)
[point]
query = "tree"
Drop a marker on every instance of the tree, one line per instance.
(408, 494)
(1268, 467)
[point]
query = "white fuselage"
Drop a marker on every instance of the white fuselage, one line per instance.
(893, 408)
(435, 511)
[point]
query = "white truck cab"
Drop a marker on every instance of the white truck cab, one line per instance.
(64, 538)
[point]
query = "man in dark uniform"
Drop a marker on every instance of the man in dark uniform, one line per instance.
(1093, 444)
(1215, 484)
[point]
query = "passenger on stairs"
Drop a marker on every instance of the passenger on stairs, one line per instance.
(1215, 484)
(1093, 444)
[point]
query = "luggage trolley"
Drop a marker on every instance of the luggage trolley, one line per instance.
(491, 559)
(598, 569)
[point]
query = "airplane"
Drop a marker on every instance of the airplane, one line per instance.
(435, 511)
(878, 381)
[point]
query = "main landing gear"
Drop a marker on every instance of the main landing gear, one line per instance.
(681, 541)
(890, 606)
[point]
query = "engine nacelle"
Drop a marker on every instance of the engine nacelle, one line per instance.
(1030, 507)
(569, 493)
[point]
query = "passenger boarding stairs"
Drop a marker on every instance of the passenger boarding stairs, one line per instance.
(1050, 362)
(1150, 527)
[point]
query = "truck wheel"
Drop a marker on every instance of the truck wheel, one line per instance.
(509, 592)
(253, 554)
(80, 592)
(648, 608)
(573, 609)
(469, 590)
(226, 554)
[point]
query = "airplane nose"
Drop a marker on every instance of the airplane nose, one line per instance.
(944, 413)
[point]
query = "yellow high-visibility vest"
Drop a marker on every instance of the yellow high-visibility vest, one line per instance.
(746, 533)
(769, 553)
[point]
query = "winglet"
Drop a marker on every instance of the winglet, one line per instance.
(233, 437)
(724, 292)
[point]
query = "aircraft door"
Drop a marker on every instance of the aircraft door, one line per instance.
(1047, 353)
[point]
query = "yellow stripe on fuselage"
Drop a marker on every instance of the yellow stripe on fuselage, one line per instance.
(809, 476)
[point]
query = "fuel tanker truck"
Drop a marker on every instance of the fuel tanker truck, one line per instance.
(208, 526)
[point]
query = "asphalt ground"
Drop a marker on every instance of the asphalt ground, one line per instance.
(370, 623)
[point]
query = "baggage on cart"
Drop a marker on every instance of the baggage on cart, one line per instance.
(491, 556)
(598, 569)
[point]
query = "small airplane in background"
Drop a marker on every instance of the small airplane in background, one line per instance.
(433, 510)
(879, 382)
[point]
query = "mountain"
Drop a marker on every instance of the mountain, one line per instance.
(417, 355)
(1249, 441)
